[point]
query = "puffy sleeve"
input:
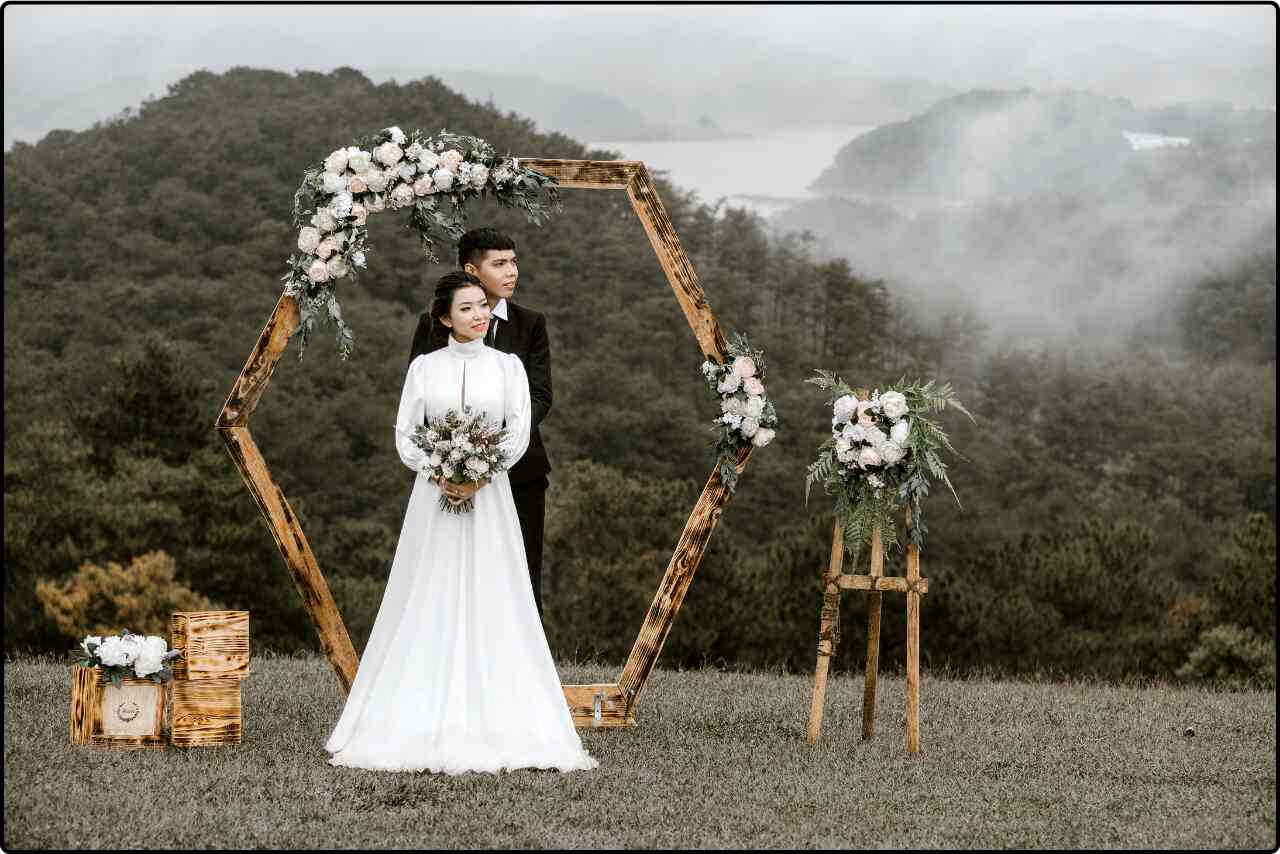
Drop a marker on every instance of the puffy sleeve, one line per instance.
(412, 408)
(518, 413)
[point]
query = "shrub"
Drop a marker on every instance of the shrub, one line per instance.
(1232, 656)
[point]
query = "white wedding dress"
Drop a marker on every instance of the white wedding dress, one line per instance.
(457, 675)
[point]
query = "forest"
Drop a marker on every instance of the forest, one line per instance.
(1118, 512)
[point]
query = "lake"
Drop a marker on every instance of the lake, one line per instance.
(767, 173)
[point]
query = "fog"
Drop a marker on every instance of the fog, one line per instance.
(747, 68)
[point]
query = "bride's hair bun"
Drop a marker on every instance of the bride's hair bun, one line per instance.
(442, 299)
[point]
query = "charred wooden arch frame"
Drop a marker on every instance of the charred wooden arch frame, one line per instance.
(604, 704)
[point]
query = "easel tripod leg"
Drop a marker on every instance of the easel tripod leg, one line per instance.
(873, 666)
(826, 648)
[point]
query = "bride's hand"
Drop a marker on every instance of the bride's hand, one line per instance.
(456, 493)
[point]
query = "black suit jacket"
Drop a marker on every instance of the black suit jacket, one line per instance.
(523, 333)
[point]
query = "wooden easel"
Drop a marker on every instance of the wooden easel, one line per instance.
(875, 583)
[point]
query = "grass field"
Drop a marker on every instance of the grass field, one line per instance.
(718, 760)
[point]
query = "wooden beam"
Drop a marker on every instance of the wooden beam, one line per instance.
(296, 551)
(584, 700)
(889, 583)
(675, 582)
(257, 370)
(586, 174)
(828, 631)
(872, 673)
(913, 644)
(675, 264)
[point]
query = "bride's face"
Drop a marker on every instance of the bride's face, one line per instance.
(469, 315)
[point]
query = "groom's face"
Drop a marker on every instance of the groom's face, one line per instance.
(497, 273)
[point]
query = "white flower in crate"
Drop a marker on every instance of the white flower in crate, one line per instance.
(844, 409)
(893, 404)
(890, 452)
(899, 432)
(95, 640)
(151, 656)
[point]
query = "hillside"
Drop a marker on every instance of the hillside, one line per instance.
(143, 256)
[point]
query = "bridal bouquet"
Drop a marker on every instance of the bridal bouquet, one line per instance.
(461, 449)
(879, 455)
(127, 654)
(430, 176)
(746, 413)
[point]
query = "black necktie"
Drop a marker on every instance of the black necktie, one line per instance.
(493, 332)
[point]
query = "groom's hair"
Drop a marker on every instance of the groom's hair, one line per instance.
(477, 241)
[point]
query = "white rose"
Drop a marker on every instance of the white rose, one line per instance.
(752, 385)
(479, 176)
(869, 457)
(388, 154)
(845, 407)
(376, 180)
(899, 432)
(427, 160)
(406, 172)
(397, 135)
(342, 203)
(729, 384)
(358, 161)
(890, 452)
(734, 405)
(318, 271)
(337, 267)
(443, 179)
(308, 238)
(333, 183)
(358, 259)
(336, 163)
(744, 366)
(763, 437)
(874, 436)
(893, 404)
(90, 639)
(755, 407)
(324, 220)
(749, 427)
(150, 657)
(112, 652)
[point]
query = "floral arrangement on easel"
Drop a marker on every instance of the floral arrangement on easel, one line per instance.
(127, 654)
(433, 176)
(747, 416)
(880, 454)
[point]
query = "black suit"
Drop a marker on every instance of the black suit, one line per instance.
(523, 333)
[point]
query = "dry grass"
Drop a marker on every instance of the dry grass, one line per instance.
(718, 760)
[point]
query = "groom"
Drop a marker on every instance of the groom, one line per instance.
(490, 256)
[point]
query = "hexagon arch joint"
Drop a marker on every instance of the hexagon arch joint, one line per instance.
(603, 704)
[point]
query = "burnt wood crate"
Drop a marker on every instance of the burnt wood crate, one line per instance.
(129, 717)
(215, 644)
(206, 712)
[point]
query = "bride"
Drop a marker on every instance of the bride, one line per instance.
(457, 675)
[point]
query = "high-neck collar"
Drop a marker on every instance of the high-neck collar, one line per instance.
(469, 350)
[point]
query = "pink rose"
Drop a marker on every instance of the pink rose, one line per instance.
(318, 271)
(423, 186)
(744, 366)
(388, 154)
(763, 437)
(326, 247)
(752, 385)
(451, 160)
(865, 420)
(401, 195)
(356, 184)
(336, 162)
(360, 214)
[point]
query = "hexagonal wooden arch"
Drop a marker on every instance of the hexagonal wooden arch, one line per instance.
(604, 704)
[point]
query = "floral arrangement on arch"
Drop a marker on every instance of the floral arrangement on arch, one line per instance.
(431, 176)
(127, 654)
(747, 416)
(880, 453)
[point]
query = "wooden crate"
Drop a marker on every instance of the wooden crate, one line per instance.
(129, 717)
(215, 644)
(206, 712)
